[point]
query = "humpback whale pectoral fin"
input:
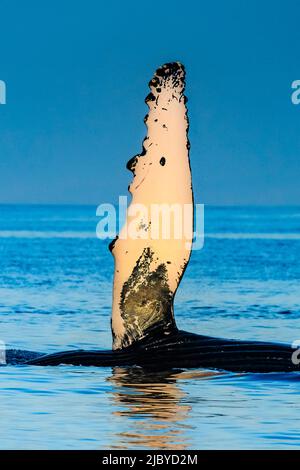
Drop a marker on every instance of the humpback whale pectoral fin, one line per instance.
(149, 259)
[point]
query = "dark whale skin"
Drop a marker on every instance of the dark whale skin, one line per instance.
(178, 349)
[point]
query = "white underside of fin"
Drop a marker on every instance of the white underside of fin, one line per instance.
(149, 265)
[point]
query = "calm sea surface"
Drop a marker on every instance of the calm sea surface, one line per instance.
(55, 293)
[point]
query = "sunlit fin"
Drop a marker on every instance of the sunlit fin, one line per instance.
(149, 262)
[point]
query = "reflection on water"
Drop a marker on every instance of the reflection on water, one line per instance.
(155, 407)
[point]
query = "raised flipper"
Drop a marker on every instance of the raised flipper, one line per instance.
(150, 257)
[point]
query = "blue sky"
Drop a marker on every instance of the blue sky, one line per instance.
(77, 73)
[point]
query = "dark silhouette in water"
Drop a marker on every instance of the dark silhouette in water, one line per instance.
(148, 272)
(179, 349)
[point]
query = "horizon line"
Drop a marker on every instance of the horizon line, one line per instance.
(84, 204)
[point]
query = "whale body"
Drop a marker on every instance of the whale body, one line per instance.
(179, 349)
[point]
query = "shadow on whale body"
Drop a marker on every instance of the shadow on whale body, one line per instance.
(148, 271)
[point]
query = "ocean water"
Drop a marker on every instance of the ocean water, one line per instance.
(55, 294)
